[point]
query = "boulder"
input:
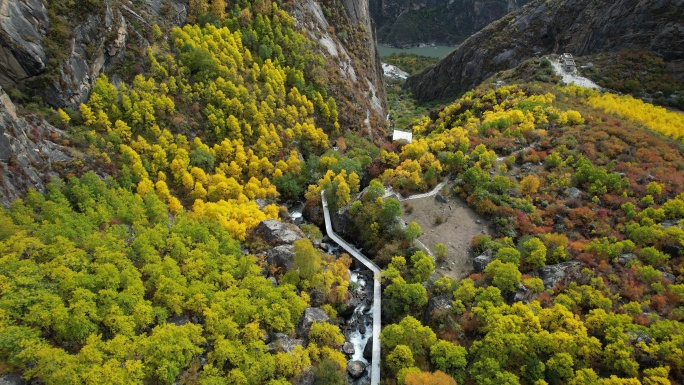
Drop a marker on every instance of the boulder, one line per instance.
(356, 368)
(573, 192)
(552, 274)
(277, 233)
(637, 337)
(439, 304)
(348, 348)
(480, 262)
(441, 198)
(281, 256)
(306, 377)
(667, 275)
(351, 302)
(673, 250)
(12, 379)
(368, 349)
(178, 320)
(626, 258)
(522, 294)
(311, 315)
(283, 343)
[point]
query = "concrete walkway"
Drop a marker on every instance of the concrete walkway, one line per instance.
(377, 291)
(435, 191)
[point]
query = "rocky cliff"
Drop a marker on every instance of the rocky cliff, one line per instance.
(57, 51)
(407, 23)
(554, 26)
(53, 52)
(346, 35)
(32, 151)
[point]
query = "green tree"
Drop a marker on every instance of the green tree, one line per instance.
(307, 260)
(505, 275)
(413, 231)
(508, 254)
(449, 358)
(399, 358)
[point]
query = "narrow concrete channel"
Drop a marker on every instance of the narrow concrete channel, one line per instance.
(377, 291)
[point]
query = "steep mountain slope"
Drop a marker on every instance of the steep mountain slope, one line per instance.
(577, 26)
(406, 23)
(51, 55)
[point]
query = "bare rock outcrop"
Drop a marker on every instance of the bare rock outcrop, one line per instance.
(99, 39)
(23, 25)
(30, 152)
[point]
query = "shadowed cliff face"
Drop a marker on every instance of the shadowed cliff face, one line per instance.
(554, 26)
(406, 23)
(30, 39)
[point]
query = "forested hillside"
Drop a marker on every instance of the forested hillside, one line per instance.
(159, 250)
(582, 281)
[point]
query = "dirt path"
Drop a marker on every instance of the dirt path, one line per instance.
(459, 225)
(575, 77)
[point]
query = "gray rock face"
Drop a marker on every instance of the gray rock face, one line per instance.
(480, 262)
(354, 57)
(311, 315)
(23, 25)
(277, 233)
(407, 23)
(11, 379)
(283, 343)
(99, 40)
(552, 274)
(579, 27)
(28, 156)
(356, 368)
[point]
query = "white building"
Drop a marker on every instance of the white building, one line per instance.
(398, 134)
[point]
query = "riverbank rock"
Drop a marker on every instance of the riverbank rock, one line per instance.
(480, 262)
(283, 343)
(368, 350)
(348, 348)
(311, 315)
(356, 368)
(277, 233)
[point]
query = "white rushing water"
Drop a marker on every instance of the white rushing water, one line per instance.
(360, 315)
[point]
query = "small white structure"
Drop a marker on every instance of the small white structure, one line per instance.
(398, 134)
(568, 62)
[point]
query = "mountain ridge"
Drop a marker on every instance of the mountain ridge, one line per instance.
(541, 27)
